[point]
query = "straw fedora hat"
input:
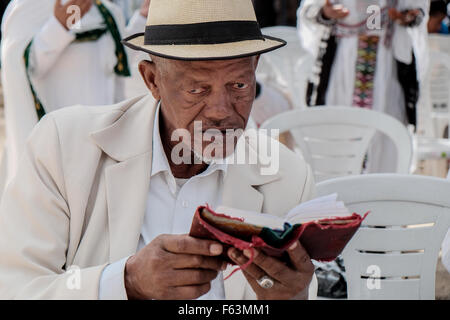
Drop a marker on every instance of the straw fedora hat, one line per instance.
(202, 30)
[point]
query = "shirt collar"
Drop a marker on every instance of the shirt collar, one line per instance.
(160, 162)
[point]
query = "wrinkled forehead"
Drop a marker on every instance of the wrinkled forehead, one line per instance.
(240, 65)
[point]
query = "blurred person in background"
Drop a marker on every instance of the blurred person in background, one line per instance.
(265, 12)
(133, 86)
(369, 54)
(129, 7)
(69, 52)
(438, 15)
(276, 12)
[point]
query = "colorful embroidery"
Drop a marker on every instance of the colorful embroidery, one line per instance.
(365, 71)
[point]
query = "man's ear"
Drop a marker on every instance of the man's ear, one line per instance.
(257, 61)
(149, 74)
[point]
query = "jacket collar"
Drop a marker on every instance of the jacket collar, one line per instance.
(131, 134)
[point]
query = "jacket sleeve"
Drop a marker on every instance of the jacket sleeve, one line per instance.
(48, 44)
(35, 226)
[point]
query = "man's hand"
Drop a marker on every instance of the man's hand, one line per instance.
(291, 282)
(334, 11)
(144, 8)
(173, 267)
(62, 13)
(404, 18)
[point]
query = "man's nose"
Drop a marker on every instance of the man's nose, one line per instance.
(219, 106)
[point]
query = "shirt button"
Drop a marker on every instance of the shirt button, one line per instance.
(185, 203)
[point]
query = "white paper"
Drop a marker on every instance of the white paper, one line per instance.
(313, 210)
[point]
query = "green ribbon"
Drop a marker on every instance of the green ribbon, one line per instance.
(121, 69)
(91, 35)
(37, 103)
(278, 238)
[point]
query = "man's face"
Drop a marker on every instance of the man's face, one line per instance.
(217, 94)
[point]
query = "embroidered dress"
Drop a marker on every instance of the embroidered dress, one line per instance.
(362, 60)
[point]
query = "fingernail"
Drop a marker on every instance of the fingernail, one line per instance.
(215, 249)
(248, 253)
(234, 254)
(294, 245)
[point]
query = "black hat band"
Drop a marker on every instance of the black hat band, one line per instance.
(202, 33)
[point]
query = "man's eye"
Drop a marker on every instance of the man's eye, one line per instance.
(240, 86)
(196, 91)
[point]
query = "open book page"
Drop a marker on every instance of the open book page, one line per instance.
(255, 218)
(316, 209)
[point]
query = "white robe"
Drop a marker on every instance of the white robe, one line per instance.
(63, 73)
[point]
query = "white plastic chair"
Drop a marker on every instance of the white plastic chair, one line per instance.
(434, 106)
(335, 140)
(395, 252)
(288, 67)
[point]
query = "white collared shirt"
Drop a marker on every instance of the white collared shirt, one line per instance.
(170, 208)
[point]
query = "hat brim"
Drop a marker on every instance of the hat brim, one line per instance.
(195, 52)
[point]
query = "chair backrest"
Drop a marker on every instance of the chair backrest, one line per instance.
(290, 66)
(394, 254)
(334, 140)
(434, 106)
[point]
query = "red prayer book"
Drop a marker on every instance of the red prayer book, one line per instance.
(323, 226)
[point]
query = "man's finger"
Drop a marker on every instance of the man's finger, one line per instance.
(78, 3)
(191, 261)
(190, 277)
(252, 270)
(189, 245)
(85, 6)
(274, 268)
(300, 258)
(344, 12)
(82, 4)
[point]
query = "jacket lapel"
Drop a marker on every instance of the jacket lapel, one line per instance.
(129, 142)
(127, 186)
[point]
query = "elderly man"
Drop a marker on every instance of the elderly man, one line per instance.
(101, 206)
